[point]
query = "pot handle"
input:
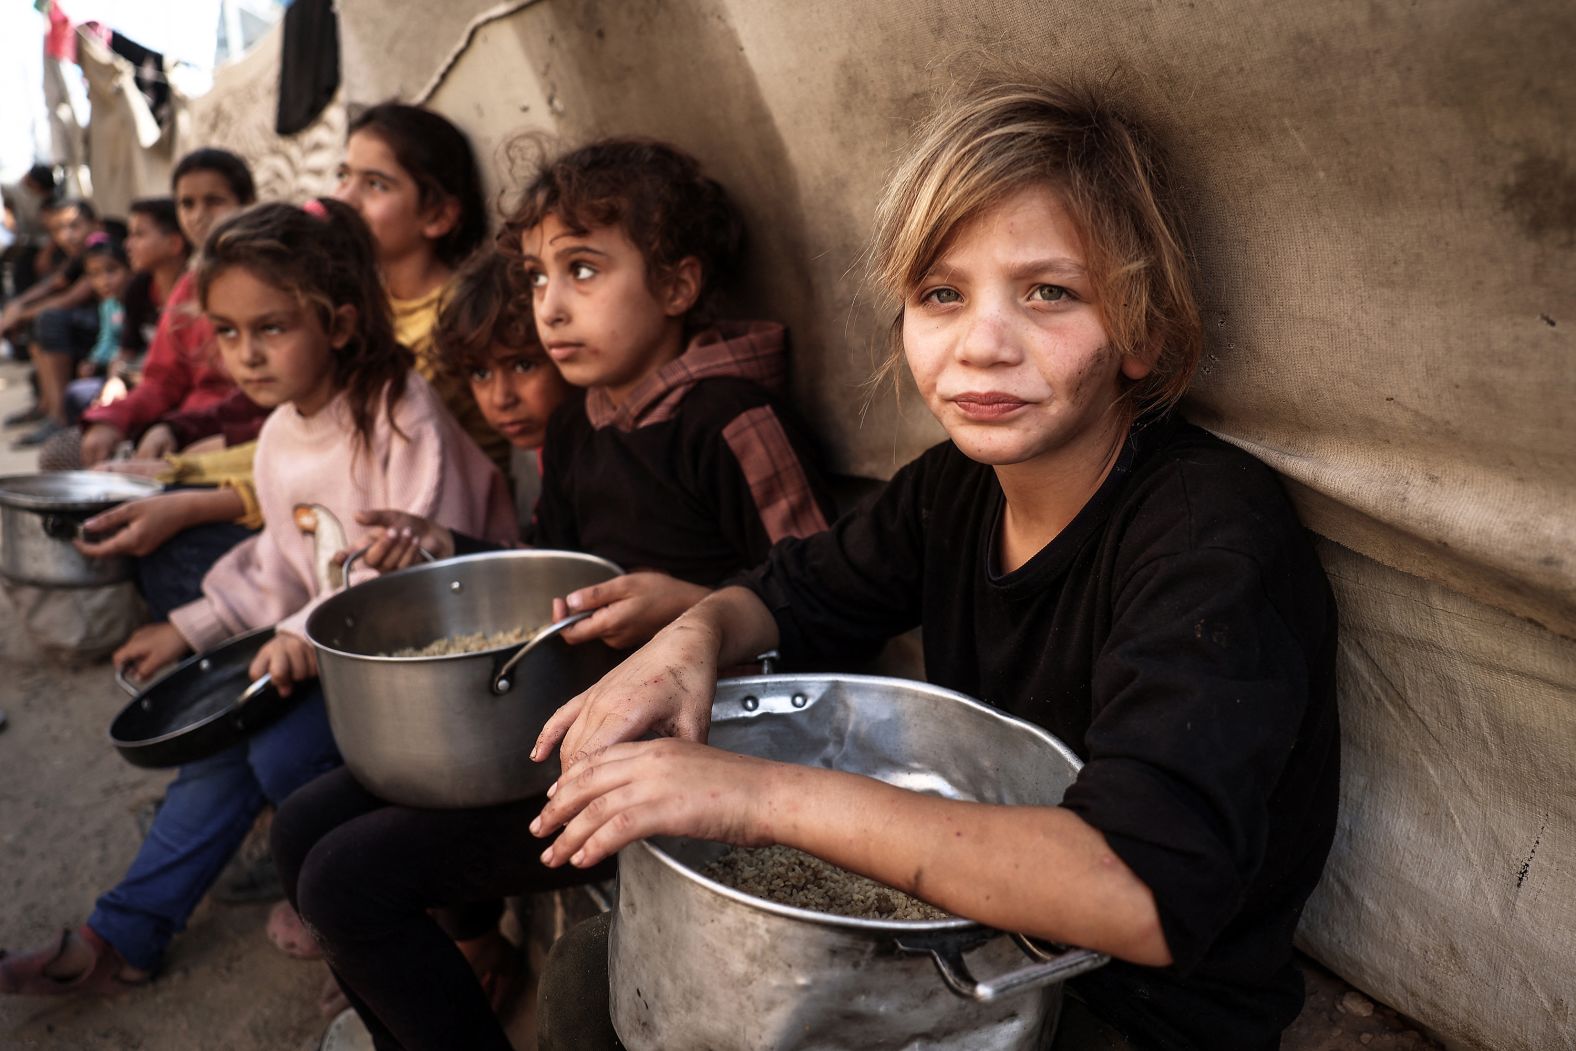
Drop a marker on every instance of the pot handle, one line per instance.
(256, 689)
(1048, 967)
(501, 683)
(124, 680)
(351, 558)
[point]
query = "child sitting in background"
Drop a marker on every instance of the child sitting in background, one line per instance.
(680, 461)
(294, 300)
(181, 371)
(109, 272)
(57, 318)
(157, 252)
(413, 177)
(1078, 557)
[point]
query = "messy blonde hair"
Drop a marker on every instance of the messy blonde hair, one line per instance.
(994, 140)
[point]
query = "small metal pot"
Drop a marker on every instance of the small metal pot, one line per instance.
(40, 514)
(457, 730)
(202, 706)
(695, 964)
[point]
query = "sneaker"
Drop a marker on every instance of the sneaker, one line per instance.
(18, 418)
(38, 436)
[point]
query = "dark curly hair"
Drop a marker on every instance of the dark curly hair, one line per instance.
(439, 157)
(656, 193)
(223, 163)
(487, 302)
(322, 253)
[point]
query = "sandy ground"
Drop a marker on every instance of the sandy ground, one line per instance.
(67, 832)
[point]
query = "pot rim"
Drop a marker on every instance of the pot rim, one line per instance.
(956, 924)
(509, 554)
(136, 489)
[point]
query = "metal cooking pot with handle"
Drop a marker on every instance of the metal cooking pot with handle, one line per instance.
(693, 963)
(455, 730)
(40, 514)
(202, 706)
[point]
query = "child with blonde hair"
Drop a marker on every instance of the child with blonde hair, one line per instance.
(1079, 557)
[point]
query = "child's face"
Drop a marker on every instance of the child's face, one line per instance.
(517, 390)
(372, 182)
(203, 199)
(274, 346)
(1006, 343)
(148, 245)
(70, 228)
(106, 276)
(602, 323)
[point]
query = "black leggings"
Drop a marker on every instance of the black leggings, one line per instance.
(363, 873)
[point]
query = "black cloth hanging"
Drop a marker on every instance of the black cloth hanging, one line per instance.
(150, 76)
(308, 64)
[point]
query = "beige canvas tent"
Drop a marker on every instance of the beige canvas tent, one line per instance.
(1385, 203)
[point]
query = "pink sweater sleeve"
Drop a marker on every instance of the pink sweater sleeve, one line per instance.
(426, 466)
(251, 585)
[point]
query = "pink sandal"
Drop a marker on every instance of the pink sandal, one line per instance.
(25, 975)
(290, 935)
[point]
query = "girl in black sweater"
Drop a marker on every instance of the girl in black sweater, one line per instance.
(1078, 557)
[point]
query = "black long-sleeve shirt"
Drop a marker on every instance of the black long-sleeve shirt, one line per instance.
(1179, 635)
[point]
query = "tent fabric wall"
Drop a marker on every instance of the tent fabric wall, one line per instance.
(129, 154)
(238, 114)
(1383, 199)
(1450, 890)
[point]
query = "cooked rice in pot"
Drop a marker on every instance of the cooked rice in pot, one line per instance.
(792, 877)
(473, 642)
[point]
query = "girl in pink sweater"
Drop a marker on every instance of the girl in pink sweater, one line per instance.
(304, 327)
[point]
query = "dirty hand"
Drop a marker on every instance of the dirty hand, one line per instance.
(656, 788)
(396, 540)
(629, 609)
(288, 659)
(137, 527)
(666, 687)
(99, 442)
(150, 648)
(158, 440)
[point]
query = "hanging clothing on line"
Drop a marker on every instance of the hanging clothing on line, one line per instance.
(308, 64)
(150, 74)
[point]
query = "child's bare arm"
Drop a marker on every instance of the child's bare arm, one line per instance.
(1037, 870)
(666, 685)
(627, 610)
(138, 527)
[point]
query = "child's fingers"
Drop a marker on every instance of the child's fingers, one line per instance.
(278, 668)
(109, 521)
(557, 725)
(594, 627)
(596, 596)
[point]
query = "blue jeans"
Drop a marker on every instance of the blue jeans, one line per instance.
(171, 574)
(207, 811)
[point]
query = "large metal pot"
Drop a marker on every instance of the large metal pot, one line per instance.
(454, 731)
(40, 514)
(695, 964)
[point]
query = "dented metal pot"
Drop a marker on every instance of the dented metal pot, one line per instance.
(695, 964)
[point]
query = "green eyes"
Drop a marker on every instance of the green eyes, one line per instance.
(1038, 294)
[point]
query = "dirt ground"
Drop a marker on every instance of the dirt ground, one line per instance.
(67, 832)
